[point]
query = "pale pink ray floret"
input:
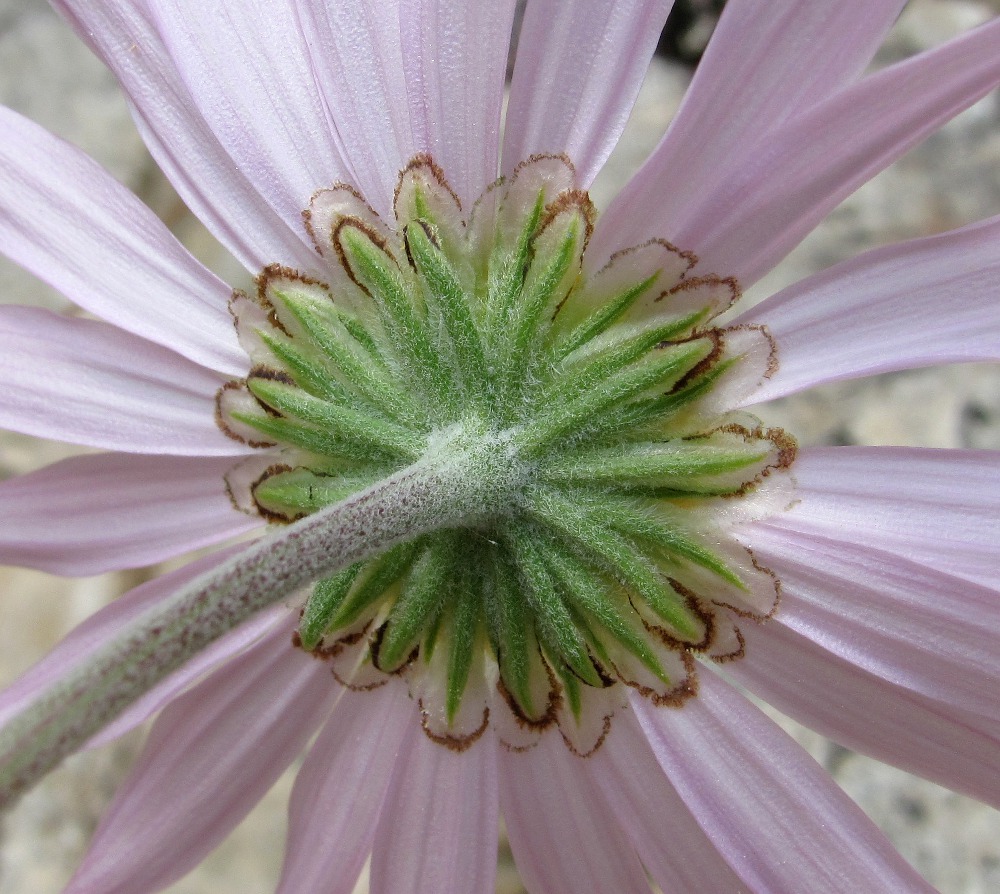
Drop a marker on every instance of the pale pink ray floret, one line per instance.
(884, 638)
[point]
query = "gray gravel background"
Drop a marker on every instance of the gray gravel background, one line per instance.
(954, 178)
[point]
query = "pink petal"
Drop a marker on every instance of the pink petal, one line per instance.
(767, 61)
(562, 842)
(939, 508)
(357, 60)
(455, 59)
(919, 303)
(797, 174)
(925, 631)
(104, 625)
(210, 757)
(201, 168)
(93, 384)
(672, 846)
(246, 68)
(340, 790)
(438, 830)
(777, 817)
(75, 227)
(577, 73)
(99, 513)
(867, 713)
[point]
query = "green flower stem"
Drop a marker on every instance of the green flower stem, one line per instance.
(455, 481)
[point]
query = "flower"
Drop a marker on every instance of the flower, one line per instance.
(383, 121)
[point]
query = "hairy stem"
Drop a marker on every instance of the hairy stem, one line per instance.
(445, 487)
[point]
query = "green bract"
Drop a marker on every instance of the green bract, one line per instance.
(595, 404)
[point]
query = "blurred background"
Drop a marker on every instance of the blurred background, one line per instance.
(950, 180)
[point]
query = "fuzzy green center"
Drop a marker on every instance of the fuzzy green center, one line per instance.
(594, 406)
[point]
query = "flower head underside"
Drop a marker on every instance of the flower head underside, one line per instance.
(595, 410)
(494, 451)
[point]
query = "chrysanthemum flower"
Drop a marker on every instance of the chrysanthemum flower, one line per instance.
(505, 442)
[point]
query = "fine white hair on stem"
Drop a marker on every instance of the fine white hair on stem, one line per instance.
(445, 487)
